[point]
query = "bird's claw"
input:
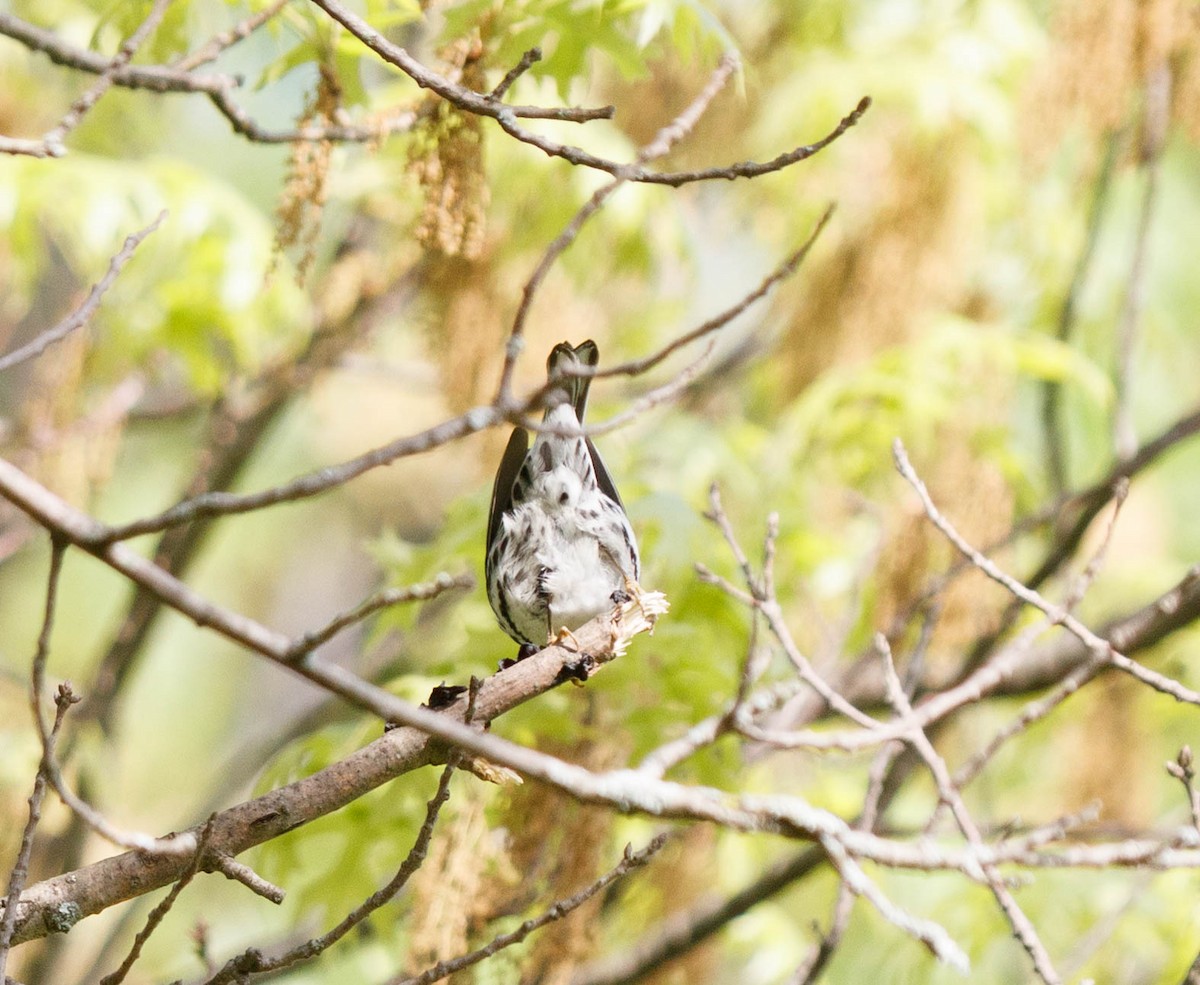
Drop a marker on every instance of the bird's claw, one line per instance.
(562, 636)
(632, 593)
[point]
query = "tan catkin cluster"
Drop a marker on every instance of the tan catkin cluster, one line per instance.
(302, 201)
(906, 259)
(447, 161)
(561, 846)
(453, 890)
(1104, 63)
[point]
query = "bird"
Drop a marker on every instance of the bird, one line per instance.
(560, 549)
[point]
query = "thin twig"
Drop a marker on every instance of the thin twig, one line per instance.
(809, 970)
(674, 179)
(163, 907)
(53, 140)
(220, 43)
(681, 932)
(1021, 925)
(931, 934)
(240, 872)
(253, 962)
(1053, 427)
(1183, 771)
(49, 769)
(787, 268)
(657, 147)
(380, 600)
(1057, 614)
(20, 870)
(769, 606)
(528, 60)
(709, 730)
(84, 312)
(1036, 710)
(716, 514)
(214, 504)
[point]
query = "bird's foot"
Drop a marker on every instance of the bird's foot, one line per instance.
(562, 636)
(632, 592)
(576, 671)
(526, 651)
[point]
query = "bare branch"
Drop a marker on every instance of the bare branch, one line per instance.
(948, 794)
(399, 751)
(163, 78)
(460, 96)
(810, 969)
(1056, 614)
(1053, 426)
(769, 606)
(214, 504)
(49, 769)
(240, 872)
(932, 935)
(380, 600)
(155, 78)
(1017, 669)
(674, 179)
(681, 932)
(660, 145)
(220, 43)
(1157, 119)
(51, 145)
(218, 88)
(81, 315)
(528, 60)
(252, 961)
(709, 730)
(161, 910)
(20, 870)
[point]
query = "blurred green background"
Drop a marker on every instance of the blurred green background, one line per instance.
(929, 310)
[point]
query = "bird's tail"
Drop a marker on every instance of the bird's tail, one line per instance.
(564, 355)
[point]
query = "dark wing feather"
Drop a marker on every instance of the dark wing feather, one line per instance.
(603, 479)
(506, 476)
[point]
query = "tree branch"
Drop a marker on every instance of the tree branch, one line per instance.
(81, 315)
(400, 750)
(253, 962)
(20, 869)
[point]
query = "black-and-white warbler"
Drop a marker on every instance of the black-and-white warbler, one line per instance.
(560, 550)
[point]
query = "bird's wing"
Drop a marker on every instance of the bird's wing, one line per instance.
(506, 475)
(603, 479)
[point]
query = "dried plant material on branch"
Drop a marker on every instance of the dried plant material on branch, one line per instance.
(447, 160)
(450, 891)
(560, 844)
(304, 194)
